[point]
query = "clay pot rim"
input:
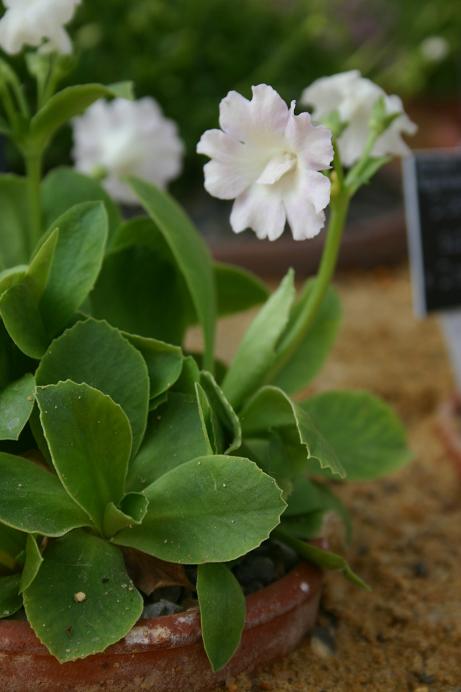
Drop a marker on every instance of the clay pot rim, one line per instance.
(183, 629)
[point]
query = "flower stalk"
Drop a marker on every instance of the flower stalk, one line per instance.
(293, 339)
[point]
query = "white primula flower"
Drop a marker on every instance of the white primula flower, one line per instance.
(33, 22)
(354, 97)
(122, 138)
(268, 159)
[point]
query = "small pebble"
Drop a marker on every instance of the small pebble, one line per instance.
(420, 570)
(256, 568)
(79, 597)
(162, 607)
(323, 643)
(425, 678)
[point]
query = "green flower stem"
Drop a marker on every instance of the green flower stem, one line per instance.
(293, 339)
(34, 173)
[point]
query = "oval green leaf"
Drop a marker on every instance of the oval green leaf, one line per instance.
(222, 612)
(211, 509)
(257, 349)
(95, 353)
(16, 404)
(82, 599)
(366, 434)
(191, 255)
(33, 500)
(89, 437)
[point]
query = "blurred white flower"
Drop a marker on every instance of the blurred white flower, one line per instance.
(268, 159)
(434, 48)
(354, 97)
(32, 22)
(122, 138)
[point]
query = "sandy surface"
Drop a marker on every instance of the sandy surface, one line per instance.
(406, 634)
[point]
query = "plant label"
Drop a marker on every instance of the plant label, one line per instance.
(432, 187)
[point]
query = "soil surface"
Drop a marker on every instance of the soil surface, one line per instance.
(406, 633)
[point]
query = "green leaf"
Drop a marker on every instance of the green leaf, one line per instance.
(366, 434)
(277, 455)
(58, 280)
(67, 104)
(191, 255)
(164, 362)
(271, 409)
(222, 612)
(140, 264)
(132, 511)
(320, 557)
(257, 349)
(210, 424)
(210, 509)
(33, 500)
(13, 363)
(95, 353)
(76, 263)
(309, 497)
(20, 304)
(14, 222)
(189, 377)
(237, 289)
(305, 526)
(64, 188)
(16, 404)
(89, 437)
(32, 564)
(226, 417)
(22, 319)
(175, 435)
(309, 358)
(82, 599)
(12, 276)
(10, 600)
(12, 543)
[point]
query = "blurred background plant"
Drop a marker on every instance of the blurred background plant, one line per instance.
(189, 53)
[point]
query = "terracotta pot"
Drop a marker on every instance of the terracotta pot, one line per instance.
(449, 427)
(166, 654)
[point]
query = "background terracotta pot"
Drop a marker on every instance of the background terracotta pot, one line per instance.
(449, 427)
(166, 654)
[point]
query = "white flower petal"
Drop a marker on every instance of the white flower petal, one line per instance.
(36, 22)
(260, 157)
(304, 221)
(224, 181)
(233, 167)
(277, 167)
(352, 141)
(235, 116)
(317, 188)
(127, 138)
(262, 210)
(354, 97)
(304, 202)
(327, 93)
(313, 143)
(269, 111)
